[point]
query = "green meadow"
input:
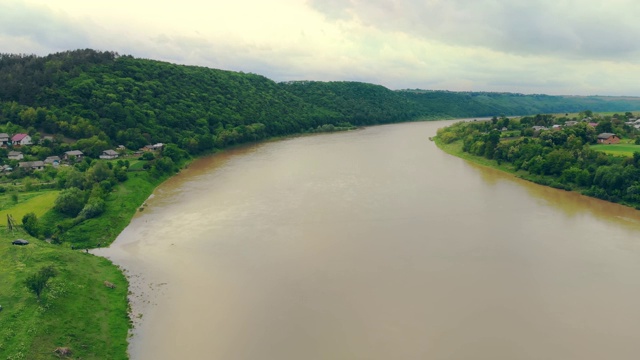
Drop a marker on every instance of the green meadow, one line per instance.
(17, 205)
(617, 149)
(75, 310)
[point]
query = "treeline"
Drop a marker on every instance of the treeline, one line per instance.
(126, 101)
(561, 158)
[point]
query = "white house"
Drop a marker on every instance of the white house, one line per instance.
(52, 160)
(33, 165)
(4, 139)
(153, 147)
(21, 139)
(77, 153)
(15, 155)
(109, 154)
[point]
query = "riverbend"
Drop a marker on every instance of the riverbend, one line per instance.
(374, 244)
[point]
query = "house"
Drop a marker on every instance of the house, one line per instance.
(21, 139)
(153, 147)
(52, 160)
(570, 123)
(556, 127)
(4, 140)
(5, 168)
(33, 165)
(592, 124)
(73, 153)
(109, 154)
(121, 148)
(608, 138)
(539, 128)
(15, 155)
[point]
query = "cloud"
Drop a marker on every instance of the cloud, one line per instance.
(569, 28)
(492, 45)
(31, 25)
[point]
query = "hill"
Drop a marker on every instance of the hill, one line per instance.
(133, 102)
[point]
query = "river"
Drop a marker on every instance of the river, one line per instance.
(374, 244)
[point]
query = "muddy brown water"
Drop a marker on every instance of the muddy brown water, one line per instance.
(374, 244)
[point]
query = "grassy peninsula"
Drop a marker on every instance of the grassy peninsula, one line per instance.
(598, 156)
(85, 137)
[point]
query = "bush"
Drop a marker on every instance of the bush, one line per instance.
(94, 208)
(38, 281)
(30, 224)
(147, 156)
(70, 201)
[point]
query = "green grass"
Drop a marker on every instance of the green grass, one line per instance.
(38, 202)
(617, 149)
(137, 165)
(455, 149)
(121, 204)
(76, 310)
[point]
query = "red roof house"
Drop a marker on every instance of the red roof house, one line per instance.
(21, 139)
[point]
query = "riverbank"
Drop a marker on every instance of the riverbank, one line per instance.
(455, 149)
(76, 310)
(580, 169)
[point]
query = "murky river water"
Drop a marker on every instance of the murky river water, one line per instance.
(374, 244)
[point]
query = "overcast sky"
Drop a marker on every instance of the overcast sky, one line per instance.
(571, 47)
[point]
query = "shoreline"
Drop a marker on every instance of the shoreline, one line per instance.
(454, 149)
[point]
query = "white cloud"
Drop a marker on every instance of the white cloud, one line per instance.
(569, 28)
(556, 47)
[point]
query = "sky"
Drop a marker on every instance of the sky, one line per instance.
(557, 47)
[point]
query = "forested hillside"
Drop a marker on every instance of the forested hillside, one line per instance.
(133, 102)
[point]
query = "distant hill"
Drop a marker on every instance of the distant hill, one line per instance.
(129, 101)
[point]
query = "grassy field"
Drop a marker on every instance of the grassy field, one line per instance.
(37, 202)
(137, 165)
(455, 149)
(122, 204)
(76, 310)
(617, 149)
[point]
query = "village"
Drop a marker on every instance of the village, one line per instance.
(21, 152)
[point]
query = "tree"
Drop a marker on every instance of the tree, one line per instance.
(174, 152)
(100, 171)
(92, 146)
(95, 206)
(604, 126)
(30, 224)
(38, 281)
(70, 201)
(147, 156)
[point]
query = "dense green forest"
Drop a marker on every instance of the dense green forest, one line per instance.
(123, 100)
(565, 157)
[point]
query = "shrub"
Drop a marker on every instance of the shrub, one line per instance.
(30, 224)
(94, 207)
(38, 281)
(70, 201)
